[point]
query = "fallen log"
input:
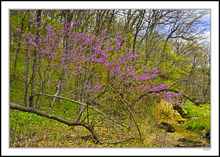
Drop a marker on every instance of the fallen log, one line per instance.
(55, 117)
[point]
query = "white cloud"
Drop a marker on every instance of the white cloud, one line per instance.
(204, 37)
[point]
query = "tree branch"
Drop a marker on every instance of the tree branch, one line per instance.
(59, 119)
(172, 90)
(83, 104)
(64, 121)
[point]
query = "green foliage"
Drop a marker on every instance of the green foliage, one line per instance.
(200, 117)
(200, 124)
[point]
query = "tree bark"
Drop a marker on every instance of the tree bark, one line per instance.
(26, 97)
(19, 47)
(35, 63)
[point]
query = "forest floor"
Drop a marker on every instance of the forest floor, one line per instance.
(32, 130)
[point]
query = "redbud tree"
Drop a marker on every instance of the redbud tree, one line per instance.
(100, 75)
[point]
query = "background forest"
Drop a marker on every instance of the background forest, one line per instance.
(109, 78)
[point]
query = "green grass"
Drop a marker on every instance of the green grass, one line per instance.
(199, 115)
(199, 124)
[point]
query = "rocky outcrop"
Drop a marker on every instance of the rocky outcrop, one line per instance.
(178, 118)
(166, 126)
(169, 134)
(180, 110)
(166, 110)
(179, 138)
(185, 142)
(207, 135)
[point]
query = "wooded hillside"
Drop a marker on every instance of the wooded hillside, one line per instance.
(101, 74)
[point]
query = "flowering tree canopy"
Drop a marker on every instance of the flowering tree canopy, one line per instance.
(104, 73)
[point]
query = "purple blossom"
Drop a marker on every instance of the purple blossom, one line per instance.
(164, 72)
(46, 52)
(74, 23)
(97, 87)
(97, 49)
(17, 29)
(136, 56)
(155, 70)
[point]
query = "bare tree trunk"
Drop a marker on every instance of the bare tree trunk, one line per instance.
(62, 80)
(35, 64)
(76, 87)
(138, 28)
(68, 18)
(54, 98)
(26, 97)
(45, 89)
(18, 48)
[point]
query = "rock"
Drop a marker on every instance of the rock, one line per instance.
(207, 135)
(178, 117)
(167, 127)
(180, 110)
(185, 142)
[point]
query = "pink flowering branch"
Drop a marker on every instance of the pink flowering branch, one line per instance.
(101, 49)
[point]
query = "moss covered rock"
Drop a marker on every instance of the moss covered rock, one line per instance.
(167, 111)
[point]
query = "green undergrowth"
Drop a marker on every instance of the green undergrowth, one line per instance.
(31, 130)
(199, 117)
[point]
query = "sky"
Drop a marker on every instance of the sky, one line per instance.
(206, 34)
(203, 27)
(207, 18)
